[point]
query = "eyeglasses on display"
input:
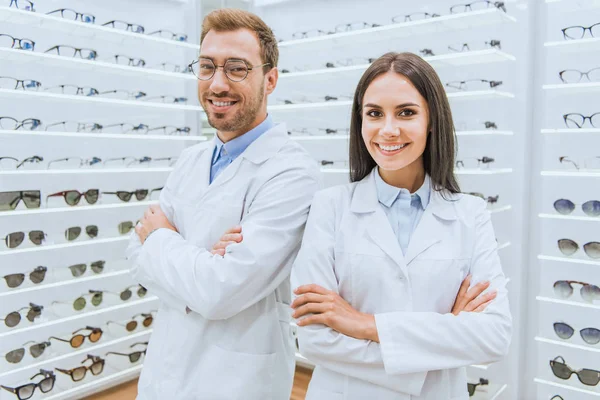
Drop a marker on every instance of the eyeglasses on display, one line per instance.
(576, 120)
(125, 128)
(36, 350)
(16, 43)
(36, 276)
(575, 76)
(22, 5)
(586, 376)
(11, 124)
(565, 331)
(26, 391)
(76, 341)
(426, 52)
(569, 247)
(69, 126)
(354, 26)
(235, 70)
(140, 194)
(473, 84)
(8, 163)
(578, 31)
(477, 5)
(126, 26)
(489, 199)
(413, 17)
(165, 34)
(15, 239)
(310, 34)
(73, 90)
(564, 290)
(474, 162)
(10, 200)
(7, 82)
(133, 357)
(591, 163)
(69, 51)
(566, 207)
(77, 374)
(170, 130)
(13, 319)
(130, 61)
(122, 94)
(78, 270)
(472, 386)
(72, 197)
(73, 15)
(131, 326)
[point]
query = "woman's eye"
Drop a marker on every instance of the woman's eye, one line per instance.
(373, 113)
(407, 113)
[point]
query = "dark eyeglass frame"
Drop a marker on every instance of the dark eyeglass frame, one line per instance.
(79, 339)
(16, 3)
(78, 16)
(483, 160)
(583, 30)
(31, 159)
(581, 74)
(129, 26)
(20, 42)
(21, 124)
(584, 288)
(171, 130)
(36, 84)
(461, 84)
(143, 128)
(81, 126)
(582, 332)
(215, 67)
(90, 195)
(31, 199)
(132, 62)
(587, 248)
(348, 27)
(468, 6)
(95, 362)
(134, 356)
(409, 17)
(48, 375)
(472, 386)
(583, 118)
(92, 56)
(80, 91)
(556, 363)
(140, 194)
(36, 276)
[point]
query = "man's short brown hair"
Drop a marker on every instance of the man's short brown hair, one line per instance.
(231, 19)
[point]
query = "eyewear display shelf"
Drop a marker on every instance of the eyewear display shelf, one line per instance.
(61, 290)
(556, 308)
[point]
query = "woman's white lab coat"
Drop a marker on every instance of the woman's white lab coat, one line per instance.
(349, 247)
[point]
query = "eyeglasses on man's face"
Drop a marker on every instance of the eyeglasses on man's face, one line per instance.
(235, 70)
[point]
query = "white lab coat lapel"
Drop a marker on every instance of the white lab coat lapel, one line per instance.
(365, 201)
(429, 229)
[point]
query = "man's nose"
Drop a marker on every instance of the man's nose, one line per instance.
(220, 82)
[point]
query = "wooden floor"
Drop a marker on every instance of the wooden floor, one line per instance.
(128, 390)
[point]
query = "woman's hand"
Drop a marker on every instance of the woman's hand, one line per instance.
(329, 308)
(231, 236)
(470, 300)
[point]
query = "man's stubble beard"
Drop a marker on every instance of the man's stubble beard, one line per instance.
(243, 119)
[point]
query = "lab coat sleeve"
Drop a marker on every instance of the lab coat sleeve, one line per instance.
(361, 359)
(422, 341)
(133, 254)
(220, 287)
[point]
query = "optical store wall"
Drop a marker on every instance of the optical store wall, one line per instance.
(94, 113)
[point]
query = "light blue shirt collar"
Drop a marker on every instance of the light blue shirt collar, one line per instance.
(388, 194)
(236, 146)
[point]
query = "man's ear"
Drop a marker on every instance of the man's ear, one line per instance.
(271, 79)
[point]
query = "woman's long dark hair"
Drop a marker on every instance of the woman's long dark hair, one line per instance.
(439, 154)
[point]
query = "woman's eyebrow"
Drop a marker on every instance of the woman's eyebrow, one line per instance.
(403, 105)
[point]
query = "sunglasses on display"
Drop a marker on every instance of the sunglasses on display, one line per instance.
(77, 374)
(73, 15)
(15, 239)
(36, 350)
(133, 357)
(70, 51)
(36, 276)
(126, 227)
(474, 162)
(8, 163)
(575, 76)
(16, 43)
(22, 5)
(10, 200)
(235, 70)
(73, 90)
(566, 207)
(74, 232)
(126, 26)
(564, 290)
(7, 82)
(140, 194)
(14, 318)
(419, 16)
(561, 370)
(76, 341)
(27, 391)
(576, 120)
(476, 6)
(78, 270)
(578, 32)
(132, 325)
(472, 386)
(569, 247)
(79, 303)
(11, 124)
(129, 61)
(565, 331)
(165, 34)
(72, 197)
(473, 84)
(127, 292)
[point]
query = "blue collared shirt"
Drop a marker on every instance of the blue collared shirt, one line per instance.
(225, 153)
(403, 209)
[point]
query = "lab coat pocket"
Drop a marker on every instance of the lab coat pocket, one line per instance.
(240, 375)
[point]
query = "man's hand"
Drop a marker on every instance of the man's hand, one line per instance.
(470, 300)
(233, 235)
(154, 218)
(329, 308)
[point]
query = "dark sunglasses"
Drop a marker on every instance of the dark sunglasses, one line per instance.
(74, 232)
(561, 370)
(78, 270)
(472, 386)
(133, 357)
(140, 194)
(565, 331)
(14, 239)
(13, 318)
(133, 324)
(72, 197)
(564, 289)
(15, 356)
(10, 200)
(125, 227)
(26, 391)
(79, 373)
(566, 207)
(36, 276)
(77, 340)
(127, 293)
(569, 247)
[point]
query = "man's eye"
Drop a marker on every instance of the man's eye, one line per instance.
(206, 66)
